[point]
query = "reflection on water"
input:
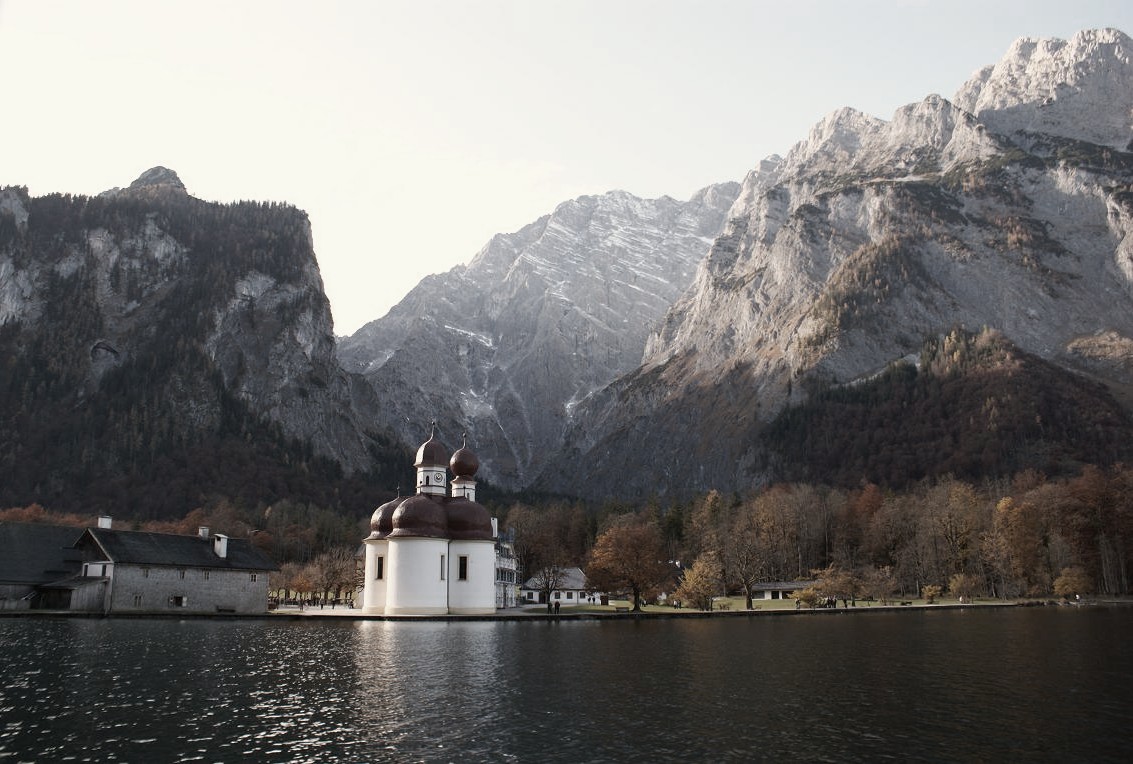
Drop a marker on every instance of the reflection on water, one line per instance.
(1045, 684)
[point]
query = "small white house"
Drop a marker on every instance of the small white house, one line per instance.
(778, 590)
(572, 590)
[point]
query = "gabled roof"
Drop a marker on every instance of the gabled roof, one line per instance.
(141, 548)
(32, 553)
(782, 586)
(572, 578)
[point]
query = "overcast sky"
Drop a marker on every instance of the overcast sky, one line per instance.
(412, 131)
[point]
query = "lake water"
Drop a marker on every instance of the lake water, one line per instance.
(1050, 684)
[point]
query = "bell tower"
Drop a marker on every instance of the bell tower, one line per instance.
(464, 464)
(432, 475)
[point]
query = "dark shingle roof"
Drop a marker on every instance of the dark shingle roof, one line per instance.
(782, 586)
(572, 578)
(141, 548)
(31, 553)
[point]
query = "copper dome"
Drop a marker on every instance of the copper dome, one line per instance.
(432, 453)
(381, 523)
(468, 520)
(464, 463)
(420, 515)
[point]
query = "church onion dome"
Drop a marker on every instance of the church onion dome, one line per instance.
(432, 453)
(464, 462)
(381, 523)
(468, 520)
(419, 515)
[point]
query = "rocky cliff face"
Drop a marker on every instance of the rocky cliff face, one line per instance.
(1010, 207)
(146, 316)
(506, 348)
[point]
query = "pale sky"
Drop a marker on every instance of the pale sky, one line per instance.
(412, 131)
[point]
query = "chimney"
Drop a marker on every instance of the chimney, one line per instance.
(104, 521)
(203, 532)
(220, 545)
(495, 527)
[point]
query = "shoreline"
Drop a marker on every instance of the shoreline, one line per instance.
(518, 615)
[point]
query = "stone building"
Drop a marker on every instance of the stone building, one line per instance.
(32, 556)
(102, 570)
(165, 572)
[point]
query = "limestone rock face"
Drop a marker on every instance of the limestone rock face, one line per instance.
(1076, 89)
(196, 306)
(506, 347)
(1009, 207)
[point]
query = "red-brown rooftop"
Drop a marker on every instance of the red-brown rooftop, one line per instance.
(432, 453)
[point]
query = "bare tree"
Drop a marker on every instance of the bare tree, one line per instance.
(333, 571)
(747, 553)
(539, 548)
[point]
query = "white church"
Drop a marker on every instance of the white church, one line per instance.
(431, 553)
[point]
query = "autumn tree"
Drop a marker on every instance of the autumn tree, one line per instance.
(540, 548)
(627, 556)
(1013, 548)
(278, 580)
(837, 583)
(1100, 526)
(301, 582)
(964, 585)
(333, 571)
(1072, 581)
(956, 518)
(796, 521)
(701, 582)
(708, 524)
(879, 584)
(807, 597)
(852, 517)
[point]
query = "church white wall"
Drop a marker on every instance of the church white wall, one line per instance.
(415, 585)
(476, 594)
(374, 588)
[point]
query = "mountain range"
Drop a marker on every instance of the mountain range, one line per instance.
(1007, 207)
(946, 291)
(505, 348)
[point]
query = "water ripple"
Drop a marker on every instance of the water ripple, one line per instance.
(948, 686)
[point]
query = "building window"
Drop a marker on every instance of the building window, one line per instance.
(570, 595)
(462, 567)
(558, 595)
(255, 577)
(145, 572)
(180, 574)
(380, 570)
(442, 567)
(179, 601)
(138, 599)
(207, 573)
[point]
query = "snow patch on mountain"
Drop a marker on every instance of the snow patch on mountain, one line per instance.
(539, 318)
